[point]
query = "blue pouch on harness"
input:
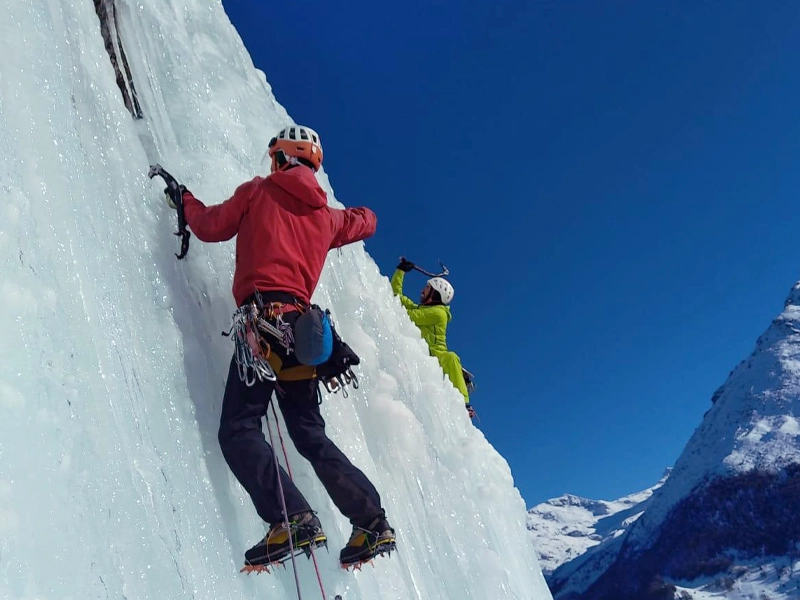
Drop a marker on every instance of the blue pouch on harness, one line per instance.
(313, 338)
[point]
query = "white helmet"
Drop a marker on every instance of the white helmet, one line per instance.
(444, 287)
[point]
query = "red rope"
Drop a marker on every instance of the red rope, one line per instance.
(289, 469)
(283, 504)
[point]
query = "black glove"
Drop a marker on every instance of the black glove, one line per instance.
(168, 196)
(405, 265)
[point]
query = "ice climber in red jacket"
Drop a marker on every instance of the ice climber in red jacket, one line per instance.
(284, 229)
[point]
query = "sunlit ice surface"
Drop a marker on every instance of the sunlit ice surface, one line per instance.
(112, 484)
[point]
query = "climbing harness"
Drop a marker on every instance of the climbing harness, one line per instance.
(252, 349)
(253, 333)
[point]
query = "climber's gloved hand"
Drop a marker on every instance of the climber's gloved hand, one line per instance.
(405, 265)
(168, 196)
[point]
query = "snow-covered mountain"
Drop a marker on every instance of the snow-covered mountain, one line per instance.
(726, 520)
(112, 367)
(569, 526)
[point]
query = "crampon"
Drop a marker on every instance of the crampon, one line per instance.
(268, 567)
(379, 550)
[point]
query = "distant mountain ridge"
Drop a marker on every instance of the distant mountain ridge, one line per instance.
(568, 526)
(569, 530)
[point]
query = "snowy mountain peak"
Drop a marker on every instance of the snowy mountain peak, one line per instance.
(793, 299)
(752, 423)
(595, 507)
(732, 495)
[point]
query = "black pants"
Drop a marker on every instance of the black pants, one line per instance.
(251, 458)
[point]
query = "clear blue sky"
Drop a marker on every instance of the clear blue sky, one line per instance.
(613, 185)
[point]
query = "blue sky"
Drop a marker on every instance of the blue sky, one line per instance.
(613, 185)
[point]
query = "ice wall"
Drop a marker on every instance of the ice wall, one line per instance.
(112, 367)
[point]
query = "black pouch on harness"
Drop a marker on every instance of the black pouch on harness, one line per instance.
(337, 372)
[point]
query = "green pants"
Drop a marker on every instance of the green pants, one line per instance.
(451, 365)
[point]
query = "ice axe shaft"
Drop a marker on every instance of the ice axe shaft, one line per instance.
(445, 270)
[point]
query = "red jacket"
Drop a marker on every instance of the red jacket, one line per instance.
(285, 229)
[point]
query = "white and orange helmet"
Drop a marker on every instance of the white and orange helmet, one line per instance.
(295, 144)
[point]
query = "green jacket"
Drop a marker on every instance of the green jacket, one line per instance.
(432, 319)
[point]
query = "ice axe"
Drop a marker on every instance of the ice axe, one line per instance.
(469, 379)
(175, 192)
(445, 270)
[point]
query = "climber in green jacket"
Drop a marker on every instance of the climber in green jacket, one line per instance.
(432, 315)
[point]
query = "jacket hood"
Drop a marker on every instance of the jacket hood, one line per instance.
(301, 183)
